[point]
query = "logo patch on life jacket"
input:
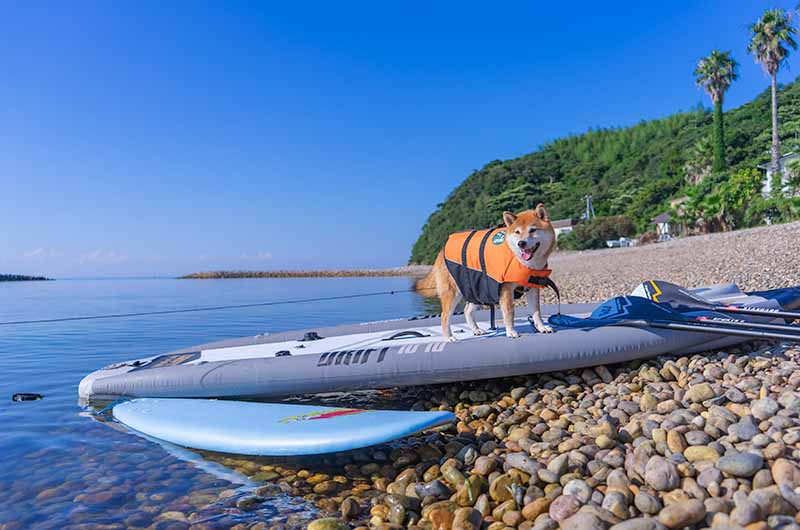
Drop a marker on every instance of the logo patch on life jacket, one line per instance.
(499, 237)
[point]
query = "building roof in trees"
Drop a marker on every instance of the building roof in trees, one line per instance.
(781, 161)
(662, 218)
(563, 223)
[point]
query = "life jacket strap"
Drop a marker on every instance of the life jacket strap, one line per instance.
(465, 247)
(482, 256)
(482, 250)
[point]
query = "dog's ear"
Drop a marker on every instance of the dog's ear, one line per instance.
(541, 212)
(509, 218)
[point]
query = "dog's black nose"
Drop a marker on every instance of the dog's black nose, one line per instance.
(522, 244)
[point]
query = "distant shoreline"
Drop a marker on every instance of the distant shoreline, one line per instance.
(409, 270)
(22, 278)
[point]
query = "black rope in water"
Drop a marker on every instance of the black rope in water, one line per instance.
(210, 308)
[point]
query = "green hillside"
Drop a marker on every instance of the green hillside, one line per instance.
(632, 171)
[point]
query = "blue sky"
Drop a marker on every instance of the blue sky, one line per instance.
(167, 137)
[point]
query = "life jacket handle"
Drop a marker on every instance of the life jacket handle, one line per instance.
(547, 282)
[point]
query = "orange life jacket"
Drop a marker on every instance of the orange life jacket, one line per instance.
(480, 261)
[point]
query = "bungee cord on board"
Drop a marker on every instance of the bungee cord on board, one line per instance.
(208, 308)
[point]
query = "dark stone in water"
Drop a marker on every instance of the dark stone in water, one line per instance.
(22, 396)
(138, 519)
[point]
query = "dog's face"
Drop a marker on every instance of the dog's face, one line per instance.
(530, 235)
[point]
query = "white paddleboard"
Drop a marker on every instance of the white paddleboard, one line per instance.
(270, 429)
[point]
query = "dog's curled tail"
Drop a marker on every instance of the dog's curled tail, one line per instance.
(427, 286)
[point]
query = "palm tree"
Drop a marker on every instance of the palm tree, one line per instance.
(772, 36)
(715, 74)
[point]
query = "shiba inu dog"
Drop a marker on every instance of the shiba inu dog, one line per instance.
(485, 267)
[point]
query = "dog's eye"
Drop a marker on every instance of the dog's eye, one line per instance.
(518, 231)
(532, 230)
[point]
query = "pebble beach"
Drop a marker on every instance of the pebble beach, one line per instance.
(755, 259)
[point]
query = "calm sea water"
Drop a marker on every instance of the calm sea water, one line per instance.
(62, 468)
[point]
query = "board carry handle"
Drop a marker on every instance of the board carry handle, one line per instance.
(407, 335)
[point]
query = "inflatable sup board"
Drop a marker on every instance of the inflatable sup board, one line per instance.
(269, 429)
(404, 352)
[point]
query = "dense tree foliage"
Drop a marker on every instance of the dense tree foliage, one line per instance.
(634, 171)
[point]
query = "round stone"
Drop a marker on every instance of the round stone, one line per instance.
(697, 437)
(583, 521)
(682, 514)
(563, 507)
(740, 464)
(328, 523)
(699, 393)
(700, 453)
(536, 508)
(484, 465)
(708, 476)
(523, 462)
(785, 472)
(558, 465)
(676, 442)
(764, 409)
(639, 523)
(746, 512)
(646, 503)
(500, 489)
(467, 519)
(350, 508)
(762, 479)
(745, 429)
(661, 474)
(604, 442)
(580, 489)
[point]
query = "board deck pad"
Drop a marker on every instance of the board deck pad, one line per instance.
(270, 429)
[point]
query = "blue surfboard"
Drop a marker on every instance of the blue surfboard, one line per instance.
(270, 429)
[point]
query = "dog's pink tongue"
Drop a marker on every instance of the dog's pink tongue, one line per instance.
(526, 254)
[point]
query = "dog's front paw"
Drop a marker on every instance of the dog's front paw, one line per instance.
(478, 332)
(544, 328)
(512, 333)
(451, 339)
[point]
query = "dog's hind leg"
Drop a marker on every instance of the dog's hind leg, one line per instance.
(449, 303)
(469, 315)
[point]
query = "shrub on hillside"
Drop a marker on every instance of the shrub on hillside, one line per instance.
(595, 234)
(775, 209)
(730, 201)
(567, 241)
(651, 236)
